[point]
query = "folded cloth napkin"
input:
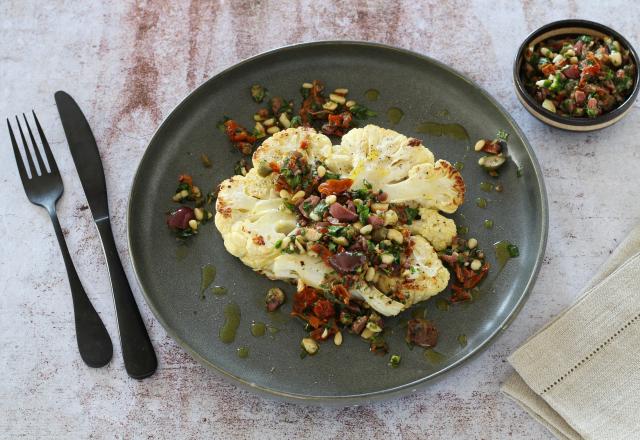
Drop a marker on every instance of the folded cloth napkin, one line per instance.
(580, 375)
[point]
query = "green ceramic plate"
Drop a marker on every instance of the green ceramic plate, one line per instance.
(426, 91)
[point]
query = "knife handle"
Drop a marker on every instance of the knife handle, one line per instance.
(137, 352)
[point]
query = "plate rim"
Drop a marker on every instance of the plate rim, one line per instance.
(360, 398)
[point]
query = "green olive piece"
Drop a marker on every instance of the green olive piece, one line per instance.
(264, 169)
(492, 163)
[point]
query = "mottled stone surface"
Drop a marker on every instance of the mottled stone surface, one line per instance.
(129, 64)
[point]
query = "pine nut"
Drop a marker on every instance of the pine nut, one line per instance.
(371, 273)
(366, 333)
(259, 128)
(390, 217)
(342, 241)
(198, 213)
(310, 346)
(307, 85)
(472, 243)
(350, 103)
(479, 145)
(375, 328)
(337, 98)
(312, 234)
(284, 120)
(387, 258)
(321, 171)
(331, 199)
(193, 224)
(284, 194)
(273, 130)
(379, 206)
(330, 105)
(269, 122)
(615, 58)
(341, 91)
(337, 338)
(297, 196)
(366, 229)
(395, 235)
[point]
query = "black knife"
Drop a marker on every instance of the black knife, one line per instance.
(139, 358)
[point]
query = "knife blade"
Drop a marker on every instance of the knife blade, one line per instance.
(85, 153)
(137, 351)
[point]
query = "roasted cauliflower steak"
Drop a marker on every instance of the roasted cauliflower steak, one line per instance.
(253, 219)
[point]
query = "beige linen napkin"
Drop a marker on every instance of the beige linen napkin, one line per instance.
(580, 375)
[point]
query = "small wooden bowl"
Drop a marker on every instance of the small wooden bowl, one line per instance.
(572, 27)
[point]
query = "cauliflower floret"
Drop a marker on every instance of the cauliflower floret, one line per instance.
(436, 228)
(339, 160)
(427, 276)
(253, 238)
(251, 219)
(437, 186)
(383, 156)
(311, 270)
(307, 141)
(377, 300)
(234, 201)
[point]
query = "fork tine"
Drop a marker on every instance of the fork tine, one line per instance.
(16, 151)
(53, 167)
(32, 167)
(36, 149)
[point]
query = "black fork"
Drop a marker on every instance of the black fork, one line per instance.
(44, 189)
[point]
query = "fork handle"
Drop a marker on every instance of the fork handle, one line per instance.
(94, 343)
(139, 358)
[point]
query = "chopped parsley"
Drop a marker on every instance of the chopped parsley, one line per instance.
(290, 206)
(363, 213)
(362, 112)
(502, 135)
(320, 209)
(412, 214)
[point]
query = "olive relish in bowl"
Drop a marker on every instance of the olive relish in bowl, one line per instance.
(578, 75)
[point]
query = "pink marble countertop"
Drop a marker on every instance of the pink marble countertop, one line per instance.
(128, 64)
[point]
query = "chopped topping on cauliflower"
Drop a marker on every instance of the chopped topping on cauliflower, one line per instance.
(359, 220)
